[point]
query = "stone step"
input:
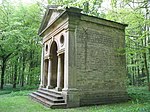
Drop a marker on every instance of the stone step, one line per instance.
(46, 102)
(49, 98)
(52, 91)
(50, 94)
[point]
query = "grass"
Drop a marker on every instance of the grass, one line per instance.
(8, 89)
(18, 101)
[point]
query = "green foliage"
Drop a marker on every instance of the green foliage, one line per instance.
(19, 42)
(90, 7)
(18, 90)
(136, 15)
(18, 37)
(139, 94)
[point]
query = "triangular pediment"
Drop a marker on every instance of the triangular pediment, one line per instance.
(51, 13)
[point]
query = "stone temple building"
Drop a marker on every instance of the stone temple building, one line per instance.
(83, 60)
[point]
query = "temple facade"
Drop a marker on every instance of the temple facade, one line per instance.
(83, 60)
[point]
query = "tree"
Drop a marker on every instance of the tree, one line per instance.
(134, 13)
(18, 32)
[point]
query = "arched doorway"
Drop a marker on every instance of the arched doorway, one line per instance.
(54, 61)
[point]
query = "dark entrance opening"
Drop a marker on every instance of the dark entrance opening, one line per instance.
(54, 58)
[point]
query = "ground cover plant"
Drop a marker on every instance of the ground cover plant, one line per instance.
(18, 101)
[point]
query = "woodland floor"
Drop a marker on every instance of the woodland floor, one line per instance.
(18, 101)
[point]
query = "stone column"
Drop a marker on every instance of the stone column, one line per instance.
(49, 74)
(59, 74)
(42, 69)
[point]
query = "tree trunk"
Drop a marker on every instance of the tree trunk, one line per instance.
(3, 67)
(146, 66)
(12, 73)
(15, 76)
(23, 68)
(146, 28)
(19, 71)
(133, 71)
(147, 71)
(31, 67)
(32, 63)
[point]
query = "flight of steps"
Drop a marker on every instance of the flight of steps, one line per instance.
(49, 98)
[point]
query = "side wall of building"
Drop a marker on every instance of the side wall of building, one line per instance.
(100, 63)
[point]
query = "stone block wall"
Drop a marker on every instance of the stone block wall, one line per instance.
(100, 63)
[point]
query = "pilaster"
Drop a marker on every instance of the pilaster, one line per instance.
(42, 68)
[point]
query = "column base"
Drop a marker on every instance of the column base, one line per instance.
(72, 96)
(41, 86)
(49, 87)
(58, 89)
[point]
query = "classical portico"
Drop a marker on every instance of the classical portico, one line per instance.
(81, 61)
(52, 65)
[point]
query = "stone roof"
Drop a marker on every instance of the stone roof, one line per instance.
(53, 12)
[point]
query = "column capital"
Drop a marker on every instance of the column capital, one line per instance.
(61, 51)
(50, 57)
